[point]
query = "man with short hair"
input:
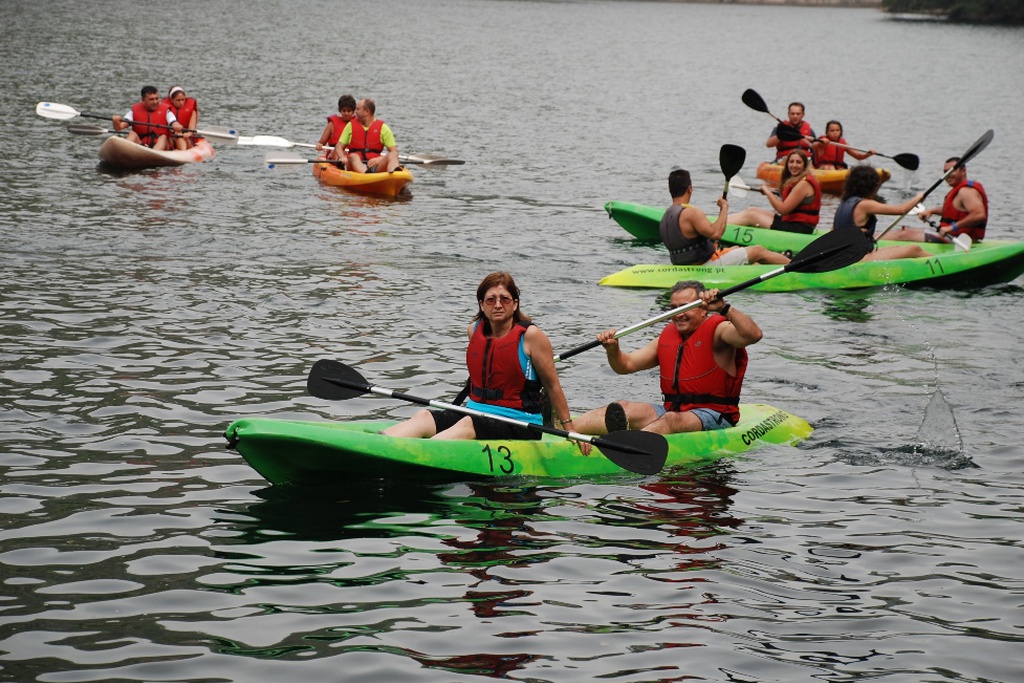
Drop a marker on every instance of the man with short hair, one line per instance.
(702, 358)
(964, 211)
(692, 239)
(150, 120)
(796, 122)
(366, 137)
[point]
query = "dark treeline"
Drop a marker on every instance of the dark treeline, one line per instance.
(967, 11)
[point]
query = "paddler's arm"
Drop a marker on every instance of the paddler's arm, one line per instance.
(700, 223)
(626, 363)
(538, 347)
(122, 122)
(802, 190)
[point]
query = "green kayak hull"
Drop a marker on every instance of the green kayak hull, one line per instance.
(324, 453)
(987, 263)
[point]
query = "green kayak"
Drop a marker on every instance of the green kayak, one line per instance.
(641, 221)
(988, 262)
(321, 453)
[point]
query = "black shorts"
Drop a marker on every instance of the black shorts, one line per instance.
(485, 428)
(790, 226)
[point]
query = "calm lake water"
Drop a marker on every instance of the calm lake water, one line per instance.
(141, 313)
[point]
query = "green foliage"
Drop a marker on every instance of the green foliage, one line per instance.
(966, 11)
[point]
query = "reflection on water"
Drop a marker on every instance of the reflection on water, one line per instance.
(501, 550)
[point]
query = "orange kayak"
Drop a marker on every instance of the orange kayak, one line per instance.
(831, 180)
(387, 184)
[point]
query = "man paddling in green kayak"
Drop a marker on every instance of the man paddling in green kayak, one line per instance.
(702, 359)
(149, 110)
(509, 360)
(692, 239)
(963, 212)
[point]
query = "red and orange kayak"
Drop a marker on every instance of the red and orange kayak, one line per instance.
(831, 180)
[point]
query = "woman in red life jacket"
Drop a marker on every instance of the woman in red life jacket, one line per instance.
(800, 203)
(830, 156)
(335, 125)
(509, 361)
(186, 110)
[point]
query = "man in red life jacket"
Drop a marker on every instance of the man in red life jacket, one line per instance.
(964, 211)
(150, 120)
(366, 138)
(796, 121)
(702, 358)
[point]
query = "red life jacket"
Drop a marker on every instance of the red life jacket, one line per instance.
(496, 373)
(786, 146)
(142, 117)
(831, 154)
(950, 213)
(366, 142)
(337, 128)
(184, 115)
(690, 376)
(804, 213)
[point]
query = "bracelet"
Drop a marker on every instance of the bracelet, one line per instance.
(724, 310)
(565, 422)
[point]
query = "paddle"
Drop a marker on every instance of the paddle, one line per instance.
(637, 451)
(972, 151)
(911, 162)
(275, 141)
(271, 141)
(89, 129)
(757, 103)
(62, 112)
(961, 242)
(831, 251)
(429, 160)
(284, 158)
(730, 160)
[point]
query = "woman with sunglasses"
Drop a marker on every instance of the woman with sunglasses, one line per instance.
(509, 360)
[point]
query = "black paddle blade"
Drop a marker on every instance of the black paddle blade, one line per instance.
(731, 158)
(335, 381)
(831, 251)
(788, 133)
(754, 101)
(907, 161)
(976, 148)
(636, 451)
